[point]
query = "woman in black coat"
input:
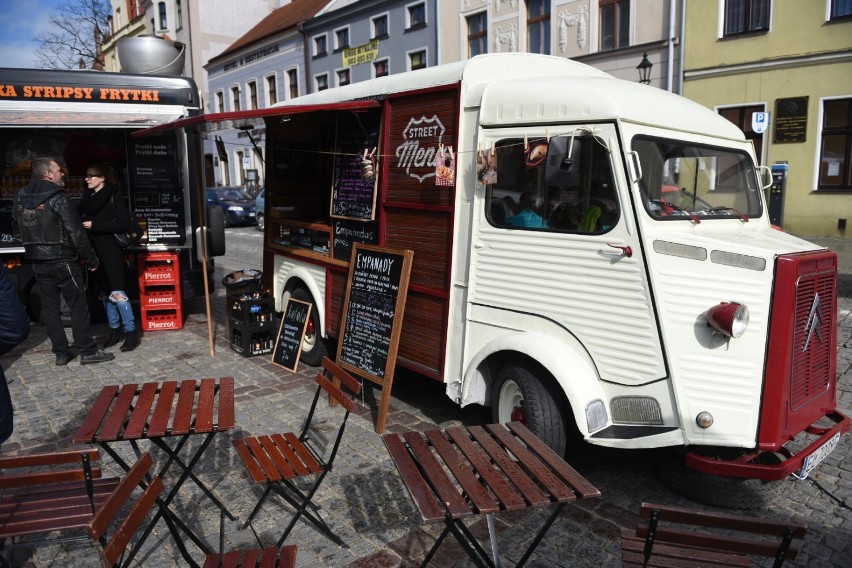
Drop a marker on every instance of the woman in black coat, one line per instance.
(104, 213)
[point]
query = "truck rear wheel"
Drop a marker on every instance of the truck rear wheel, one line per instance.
(313, 346)
(518, 396)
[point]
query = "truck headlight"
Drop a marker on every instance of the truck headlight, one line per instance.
(728, 318)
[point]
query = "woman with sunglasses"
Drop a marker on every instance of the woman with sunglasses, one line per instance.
(105, 213)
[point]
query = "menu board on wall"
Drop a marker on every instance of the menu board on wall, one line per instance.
(352, 195)
(288, 346)
(346, 232)
(6, 236)
(156, 190)
(372, 316)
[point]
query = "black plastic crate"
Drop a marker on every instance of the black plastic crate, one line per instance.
(249, 343)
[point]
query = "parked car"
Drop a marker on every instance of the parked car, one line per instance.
(258, 205)
(237, 205)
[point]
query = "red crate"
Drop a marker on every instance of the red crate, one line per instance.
(162, 319)
(159, 297)
(157, 268)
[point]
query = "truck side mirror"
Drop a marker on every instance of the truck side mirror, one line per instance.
(561, 168)
(765, 175)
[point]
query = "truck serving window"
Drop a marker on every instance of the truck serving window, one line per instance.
(682, 181)
(521, 194)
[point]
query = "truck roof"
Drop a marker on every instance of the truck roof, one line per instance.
(519, 88)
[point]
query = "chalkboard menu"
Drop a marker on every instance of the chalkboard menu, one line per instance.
(347, 232)
(372, 316)
(156, 190)
(288, 346)
(353, 196)
(6, 236)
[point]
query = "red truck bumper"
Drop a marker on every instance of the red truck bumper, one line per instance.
(747, 465)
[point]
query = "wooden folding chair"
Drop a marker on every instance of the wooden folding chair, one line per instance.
(114, 548)
(676, 537)
(280, 459)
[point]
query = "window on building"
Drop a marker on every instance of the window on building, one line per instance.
(116, 20)
(615, 24)
(380, 68)
(272, 89)
(744, 16)
(235, 98)
(132, 9)
(341, 39)
(220, 101)
(835, 153)
(416, 15)
(322, 82)
(477, 34)
(342, 77)
(179, 13)
(293, 80)
(741, 117)
(538, 26)
(320, 46)
(380, 26)
(238, 167)
(252, 94)
(417, 60)
(841, 9)
(163, 20)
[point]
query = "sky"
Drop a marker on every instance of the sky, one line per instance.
(20, 22)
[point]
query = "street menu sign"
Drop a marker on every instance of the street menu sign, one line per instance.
(156, 190)
(372, 316)
(288, 345)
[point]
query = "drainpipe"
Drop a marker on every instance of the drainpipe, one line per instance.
(305, 48)
(682, 44)
(437, 32)
(670, 71)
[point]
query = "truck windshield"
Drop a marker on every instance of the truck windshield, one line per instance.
(684, 181)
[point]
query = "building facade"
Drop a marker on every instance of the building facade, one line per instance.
(612, 35)
(264, 66)
(356, 40)
(791, 63)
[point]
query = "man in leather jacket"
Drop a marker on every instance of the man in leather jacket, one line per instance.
(54, 240)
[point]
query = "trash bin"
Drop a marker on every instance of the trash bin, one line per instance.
(246, 281)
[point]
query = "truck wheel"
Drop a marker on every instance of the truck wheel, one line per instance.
(717, 490)
(521, 397)
(260, 223)
(313, 346)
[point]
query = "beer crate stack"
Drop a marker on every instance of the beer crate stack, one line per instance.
(159, 291)
(252, 323)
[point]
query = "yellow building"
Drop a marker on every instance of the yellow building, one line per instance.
(793, 60)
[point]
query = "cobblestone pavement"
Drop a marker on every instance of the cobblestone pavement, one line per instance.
(363, 498)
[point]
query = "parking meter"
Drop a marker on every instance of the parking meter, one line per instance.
(776, 192)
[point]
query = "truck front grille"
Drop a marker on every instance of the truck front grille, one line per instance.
(812, 331)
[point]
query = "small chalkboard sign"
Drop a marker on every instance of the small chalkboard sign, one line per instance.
(288, 346)
(347, 232)
(6, 236)
(372, 316)
(352, 196)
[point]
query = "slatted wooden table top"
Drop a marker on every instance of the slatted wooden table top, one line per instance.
(171, 408)
(459, 472)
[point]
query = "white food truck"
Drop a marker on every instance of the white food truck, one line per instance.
(591, 256)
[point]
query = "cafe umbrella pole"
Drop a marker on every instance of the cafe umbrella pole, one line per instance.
(202, 228)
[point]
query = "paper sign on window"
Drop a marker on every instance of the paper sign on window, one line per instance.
(445, 166)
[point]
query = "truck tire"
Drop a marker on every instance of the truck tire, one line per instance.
(716, 490)
(313, 346)
(521, 397)
(216, 231)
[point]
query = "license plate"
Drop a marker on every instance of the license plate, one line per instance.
(812, 461)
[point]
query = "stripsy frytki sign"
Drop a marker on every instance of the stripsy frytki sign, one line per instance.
(416, 154)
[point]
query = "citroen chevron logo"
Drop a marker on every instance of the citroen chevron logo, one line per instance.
(813, 323)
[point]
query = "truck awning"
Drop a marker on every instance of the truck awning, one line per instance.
(233, 120)
(35, 114)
